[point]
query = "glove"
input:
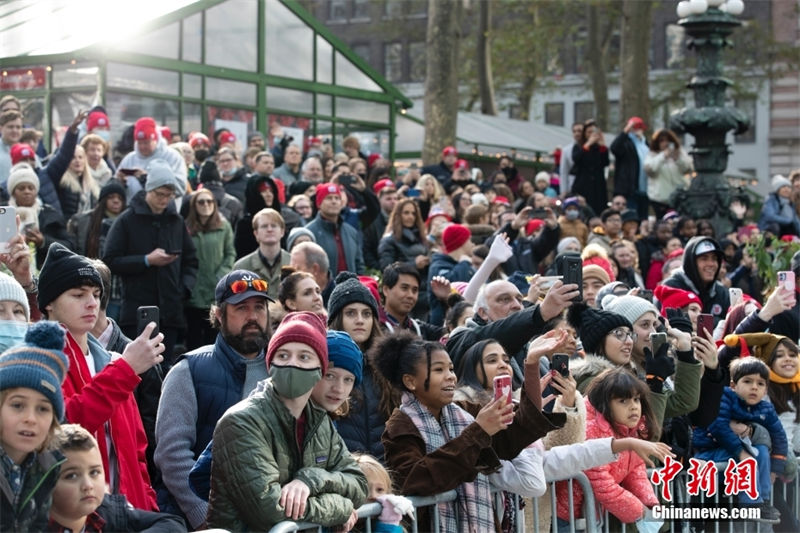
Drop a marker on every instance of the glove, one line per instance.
(658, 367)
(394, 507)
(679, 320)
(500, 251)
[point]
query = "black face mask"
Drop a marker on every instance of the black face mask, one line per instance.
(201, 155)
(508, 171)
(362, 175)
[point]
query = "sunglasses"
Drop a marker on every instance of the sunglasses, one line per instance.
(205, 202)
(240, 286)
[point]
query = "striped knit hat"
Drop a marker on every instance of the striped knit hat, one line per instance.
(39, 364)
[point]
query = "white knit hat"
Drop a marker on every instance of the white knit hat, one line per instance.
(22, 173)
(631, 307)
(778, 181)
(11, 290)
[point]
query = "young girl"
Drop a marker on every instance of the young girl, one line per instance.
(31, 406)
(434, 445)
(379, 485)
(617, 406)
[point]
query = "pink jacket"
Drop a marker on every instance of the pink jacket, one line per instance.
(621, 487)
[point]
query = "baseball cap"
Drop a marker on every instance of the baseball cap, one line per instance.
(240, 285)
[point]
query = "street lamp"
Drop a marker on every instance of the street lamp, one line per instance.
(708, 24)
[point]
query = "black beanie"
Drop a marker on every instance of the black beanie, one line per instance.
(208, 172)
(349, 290)
(64, 270)
(112, 187)
(593, 324)
(299, 187)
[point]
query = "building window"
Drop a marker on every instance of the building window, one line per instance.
(584, 111)
(361, 9)
(393, 61)
(416, 61)
(748, 107)
(362, 51)
(337, 10)
(614, 120)
(392, 9)
(554, 113)
(417, 8)
(674, 42)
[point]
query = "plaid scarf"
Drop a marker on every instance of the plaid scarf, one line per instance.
(471, 512)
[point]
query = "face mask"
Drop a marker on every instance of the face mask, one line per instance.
(362, 175)
(103, 134)
(201, 155)
(230, 172)
(508, 171)
(292, 382)
(572, 214)
(12, 333)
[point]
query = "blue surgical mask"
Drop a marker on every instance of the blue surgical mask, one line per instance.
(572, 214)
(103, 134)
(12, 333)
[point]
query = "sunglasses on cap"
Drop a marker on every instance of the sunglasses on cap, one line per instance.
(241, 285)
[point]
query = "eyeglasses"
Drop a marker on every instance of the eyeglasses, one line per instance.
(205, 202)
(164, 195)
(622, 333)
(240, 286)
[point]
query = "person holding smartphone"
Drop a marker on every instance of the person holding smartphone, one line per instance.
(666, 165)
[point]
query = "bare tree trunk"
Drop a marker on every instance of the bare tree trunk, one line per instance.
(634, 61)
(524, 95)
(485, 81)
(596, 60)
(441, 79)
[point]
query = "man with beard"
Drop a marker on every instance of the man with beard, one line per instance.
(205, 383)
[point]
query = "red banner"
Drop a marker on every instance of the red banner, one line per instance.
(22, 79)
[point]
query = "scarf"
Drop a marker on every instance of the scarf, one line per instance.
(795, 380)
(471, 512)
(102, 174)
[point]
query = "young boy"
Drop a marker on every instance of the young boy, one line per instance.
(79, 499)
(742, 406)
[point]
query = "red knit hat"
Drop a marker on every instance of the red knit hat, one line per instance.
(370, 283)
(21, 152)
(372, 158)
(305, 327)
(325, 189)
(226, 137)
(449, 150)
(533, 226)
(197, 138)
(454, 237)
(674, 298)
(165, 132)
(603, 263)
(145, 128)
(97, 119)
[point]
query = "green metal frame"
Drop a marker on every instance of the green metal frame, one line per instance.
(102, 56)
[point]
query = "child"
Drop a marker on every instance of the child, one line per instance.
(31, 405)
(380, 490)
(79, 499)
(617, 406)
(744, 402)
(14, 312)
(434, 445)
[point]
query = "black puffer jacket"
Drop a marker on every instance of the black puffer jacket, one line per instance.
(136, 233)
(361, 430)
(29, 511)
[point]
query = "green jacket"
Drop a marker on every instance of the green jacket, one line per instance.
(255, 455)
(253, 263)
(215, 255)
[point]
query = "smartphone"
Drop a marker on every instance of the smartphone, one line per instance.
(346, 179)
(736, 296)
(502, 387)
(560, 363)
(144, 315)
(787, 279)
(672, 146)
(8, 226)
(646, 294)
(413, 193)
(705, 322)
(539, 213)
(657, 340)
(128, 171)
(571, 268)
(175, 252)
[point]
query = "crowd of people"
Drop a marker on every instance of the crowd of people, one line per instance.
(330, 328)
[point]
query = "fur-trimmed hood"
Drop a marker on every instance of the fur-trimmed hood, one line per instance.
(587, 369)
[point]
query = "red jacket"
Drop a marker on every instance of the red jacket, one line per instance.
(108, 397)
(621, 487)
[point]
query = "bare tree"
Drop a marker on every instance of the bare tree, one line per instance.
(634, 60)
(441, 80)
(600, 29)
(486, 84)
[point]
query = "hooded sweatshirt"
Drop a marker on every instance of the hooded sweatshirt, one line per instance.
(135, 159)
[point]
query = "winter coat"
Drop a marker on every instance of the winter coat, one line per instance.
(136, 233)
(444, 265)
(69, 196)
(229, 206)
(363, 426)
(626, 165)
(405, 250)
(528, 251)
(714, 296)
(29, 510)
(441, 172)
(325, 232)
(372, 237)
(78, 227)
(780, 212)
(665, 175)
(237, 184)
(256, 453)
(106, 401)
(215, 255)
(590, 181)
(720, 435)
(119, 516)
(136, 160)
(621, 487)
(50, 175)
(253, 263)
(285, 174)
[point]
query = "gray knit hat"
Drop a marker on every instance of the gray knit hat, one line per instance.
(11, 290)
(159, 174)
(295, 233)
(631, 307)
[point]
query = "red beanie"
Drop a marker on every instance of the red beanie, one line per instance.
(21, 152)
(533, 226)
(145, 128)
(603, 263)
(165, 132)
(325, 189)
(226, 137)
(454, 237)
(675, 298)
(370, 283)
(97, 119)
(197, 138)
(449, 150)
(305, 327)
(372, 158)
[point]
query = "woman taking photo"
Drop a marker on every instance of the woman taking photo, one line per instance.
(591, 159)
(213, 238)
(405, 239)
(666, 166)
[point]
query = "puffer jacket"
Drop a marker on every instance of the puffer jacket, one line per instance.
(215, 256)
(720, 435)
(30, 509)
(405, 250)
(255, 454)
(621, 487)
